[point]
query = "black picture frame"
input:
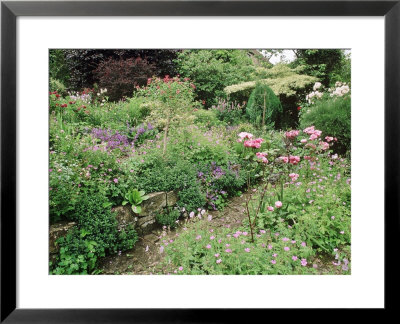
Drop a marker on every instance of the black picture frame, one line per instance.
(10, 10)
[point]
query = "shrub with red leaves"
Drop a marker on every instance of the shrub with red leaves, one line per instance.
(120, 76)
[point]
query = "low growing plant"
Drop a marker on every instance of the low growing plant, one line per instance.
(135, 198)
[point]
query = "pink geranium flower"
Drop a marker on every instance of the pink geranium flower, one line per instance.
(294, 159)
(293, 176)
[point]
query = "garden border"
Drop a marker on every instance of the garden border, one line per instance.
(10, 10)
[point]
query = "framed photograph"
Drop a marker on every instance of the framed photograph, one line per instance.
(196, 152)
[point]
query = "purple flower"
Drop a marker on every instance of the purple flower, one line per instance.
(116, 180)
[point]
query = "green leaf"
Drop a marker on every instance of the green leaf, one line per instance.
(107, 204)
(136, 209)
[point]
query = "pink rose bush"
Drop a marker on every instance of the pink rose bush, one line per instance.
(254, 143)
(244, 135)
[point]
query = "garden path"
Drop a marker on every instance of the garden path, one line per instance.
(138, 261)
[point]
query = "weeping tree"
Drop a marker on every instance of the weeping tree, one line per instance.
(263, 108)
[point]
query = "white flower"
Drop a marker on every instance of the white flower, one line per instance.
(317, 85)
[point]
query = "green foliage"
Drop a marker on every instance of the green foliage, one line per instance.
(206, 117)
(58, 69)
(343, 73)
(232, 253)
(98, 234)
(168, 217)
(168, 175)
(57, 85)
(63, 188)
(320, 63)
(172, 98)
(135, 198)
(231, 113)
(191, 197)
(284, 81)
(78, 255)
(213, 70)
(333, 117)
(264, 107)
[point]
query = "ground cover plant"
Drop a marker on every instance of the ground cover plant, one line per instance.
(258, 156)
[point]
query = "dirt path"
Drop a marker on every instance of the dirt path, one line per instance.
(139, 261)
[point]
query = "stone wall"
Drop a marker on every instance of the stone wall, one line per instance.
(143, 223)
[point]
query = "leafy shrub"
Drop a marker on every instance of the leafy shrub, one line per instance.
(121, 76)
(168, 217)
(98, 234)
(163, 175)
(333, 117)
(220, 182)
(199, 144)
(63, 188)
(58, 86)
(82, 63)
(321, 63)
(206, 117)
(264, 107)
(230, 112)
(58, 68)
(135, 110)
(77, 255)
(191, 197)
(213, 70)
(173, 99)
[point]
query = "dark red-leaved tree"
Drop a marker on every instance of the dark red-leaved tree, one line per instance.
(120, 76)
